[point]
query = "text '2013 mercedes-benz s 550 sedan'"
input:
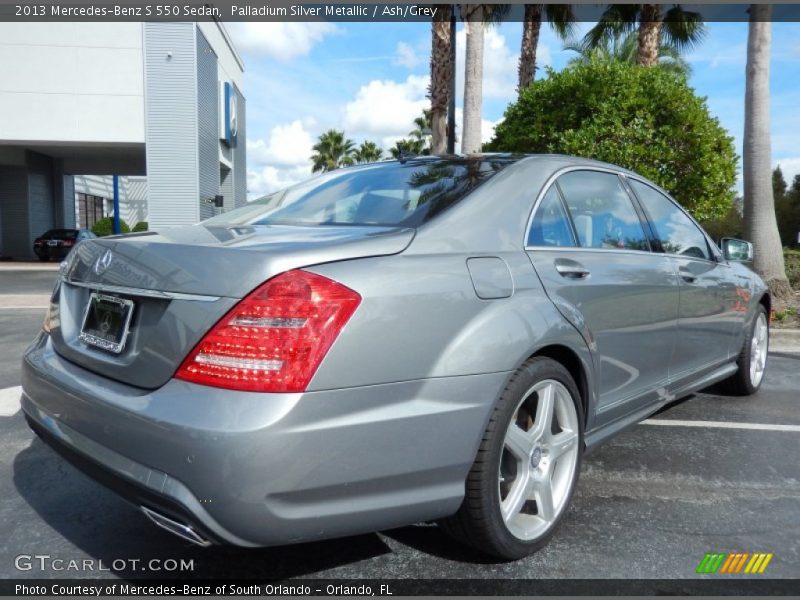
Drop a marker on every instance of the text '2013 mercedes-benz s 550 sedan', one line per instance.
(437, 338)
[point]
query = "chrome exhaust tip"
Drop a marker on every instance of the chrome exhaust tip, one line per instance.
(174, 527)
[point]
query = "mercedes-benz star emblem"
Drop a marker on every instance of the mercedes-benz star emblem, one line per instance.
(102, 263)
(105, 322)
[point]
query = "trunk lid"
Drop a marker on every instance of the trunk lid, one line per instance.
(221, 261)
(183, 280)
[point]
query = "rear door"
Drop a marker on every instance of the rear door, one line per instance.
(708, 316)
(588, 245)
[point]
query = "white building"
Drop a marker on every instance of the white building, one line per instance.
(161, 100)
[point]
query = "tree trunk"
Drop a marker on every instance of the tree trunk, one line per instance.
(530, 40)
(473, 79)
(442, 71)
(761, 227)
(650, 22)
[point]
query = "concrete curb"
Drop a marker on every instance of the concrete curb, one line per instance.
(784, 340)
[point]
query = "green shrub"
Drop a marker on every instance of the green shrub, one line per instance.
(648, 120)
(105, 226)
(140, 226)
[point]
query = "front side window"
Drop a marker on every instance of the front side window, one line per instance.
(602, 211)
(550, 226)
(676, 232)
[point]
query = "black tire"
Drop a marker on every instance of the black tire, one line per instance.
(740, 383)
(44, 258)
(478, 522)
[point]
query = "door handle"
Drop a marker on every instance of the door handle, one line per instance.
(571, 269)
(687, 275)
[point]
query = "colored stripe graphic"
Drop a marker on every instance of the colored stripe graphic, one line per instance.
(729, 562)
(734, 562)
(711, 563)
(741, 562)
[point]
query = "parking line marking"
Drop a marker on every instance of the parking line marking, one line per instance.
(9, 401)
(723, 425)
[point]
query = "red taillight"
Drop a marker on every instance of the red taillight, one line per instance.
(37, 242)
(275, 338)
(69, 242)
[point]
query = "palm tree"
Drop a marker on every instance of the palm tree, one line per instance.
(561, 18)
(677, 27)
(367, 152)
(423, 127)
(442, 73)
(625, 49)
(409, 146)
(333, 150)
(476, 17)
(761, 226)
(418, 141)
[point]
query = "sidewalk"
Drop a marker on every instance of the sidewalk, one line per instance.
(784, 340)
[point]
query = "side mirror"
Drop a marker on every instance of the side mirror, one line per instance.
(736, 250)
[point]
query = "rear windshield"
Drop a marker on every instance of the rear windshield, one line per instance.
(390, 194)
(61, 234)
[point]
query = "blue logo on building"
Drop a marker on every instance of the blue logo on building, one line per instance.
(231, 109)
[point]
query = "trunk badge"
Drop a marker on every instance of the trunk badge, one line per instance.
(102, 263)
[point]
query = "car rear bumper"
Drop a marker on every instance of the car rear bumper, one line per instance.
(265, 469)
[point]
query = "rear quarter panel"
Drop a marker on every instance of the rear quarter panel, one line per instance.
(420, 315)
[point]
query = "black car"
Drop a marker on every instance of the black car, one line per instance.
(56, 243)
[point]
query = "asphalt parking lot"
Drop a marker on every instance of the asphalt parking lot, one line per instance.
(710, 474)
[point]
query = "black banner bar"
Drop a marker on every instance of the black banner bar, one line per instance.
(286, 10)
(711, 586)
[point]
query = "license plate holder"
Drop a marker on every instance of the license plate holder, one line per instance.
(106, 323)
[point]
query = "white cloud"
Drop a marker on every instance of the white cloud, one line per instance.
(386, 109)
(789, 166)
(283, 41)
(288, 145)
(487, 128)
(499, 64)
(267, 179)
(282, 159)
(406, 56)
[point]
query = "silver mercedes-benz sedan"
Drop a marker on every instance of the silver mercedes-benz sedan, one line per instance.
(437, 338)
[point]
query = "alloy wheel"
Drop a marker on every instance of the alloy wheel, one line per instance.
(758, 349)
(538, 460)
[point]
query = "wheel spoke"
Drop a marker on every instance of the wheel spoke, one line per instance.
(561, 443)
(543, 493)
(517, 496)
(544, 412)
(519, 442)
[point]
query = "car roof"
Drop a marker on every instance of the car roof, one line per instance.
(556, 161)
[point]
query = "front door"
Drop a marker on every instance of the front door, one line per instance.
(708, 317)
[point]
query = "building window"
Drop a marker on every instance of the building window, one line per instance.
(90, 210)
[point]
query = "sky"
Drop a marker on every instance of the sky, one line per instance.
(371, 80)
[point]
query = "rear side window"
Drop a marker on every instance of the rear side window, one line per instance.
(602, 211)
(550, 226)
(676, 232)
